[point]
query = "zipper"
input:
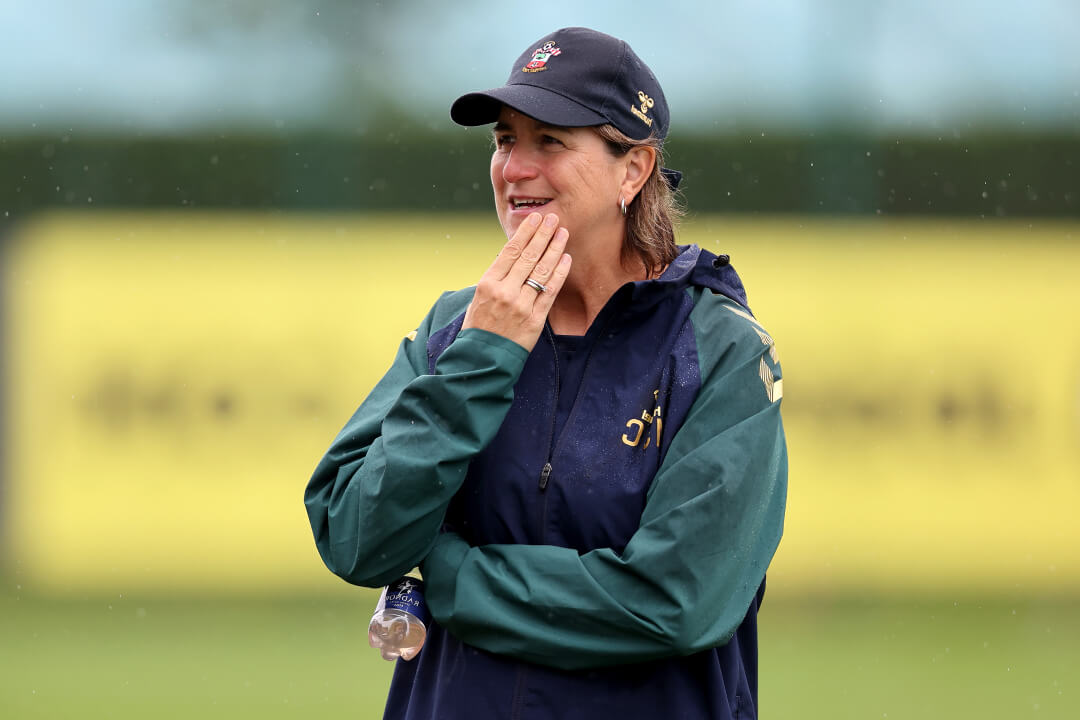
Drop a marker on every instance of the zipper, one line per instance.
(545, 473)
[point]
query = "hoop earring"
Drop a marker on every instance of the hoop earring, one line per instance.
(622, 204)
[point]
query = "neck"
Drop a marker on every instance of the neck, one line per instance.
(593, 279)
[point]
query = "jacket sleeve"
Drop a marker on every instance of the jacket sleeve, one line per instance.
(377, 498)
(712, 521)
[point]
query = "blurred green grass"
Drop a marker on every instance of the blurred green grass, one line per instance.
(127, 657)
(274, 657)
(922, 657)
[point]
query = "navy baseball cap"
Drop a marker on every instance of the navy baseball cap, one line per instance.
(577, 77)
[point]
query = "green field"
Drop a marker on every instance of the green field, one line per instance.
(126, 657)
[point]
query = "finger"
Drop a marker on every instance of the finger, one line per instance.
(513, 248)
(532, 252)
(544, 300)
(543, 269)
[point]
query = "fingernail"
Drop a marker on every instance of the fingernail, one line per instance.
(533, 219)
(551, 220)
(562, 234)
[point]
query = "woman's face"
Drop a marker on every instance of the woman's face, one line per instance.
(566, 171)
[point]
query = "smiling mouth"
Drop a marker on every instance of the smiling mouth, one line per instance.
(528, 203)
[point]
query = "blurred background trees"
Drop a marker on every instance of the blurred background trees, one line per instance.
(831, 107)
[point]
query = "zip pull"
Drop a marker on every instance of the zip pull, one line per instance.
(544, 475)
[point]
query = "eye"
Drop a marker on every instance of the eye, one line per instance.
(502, 140)
(550, 140)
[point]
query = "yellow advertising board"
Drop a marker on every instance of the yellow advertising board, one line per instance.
(171, 379)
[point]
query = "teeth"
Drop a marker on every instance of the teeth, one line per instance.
(525, 203)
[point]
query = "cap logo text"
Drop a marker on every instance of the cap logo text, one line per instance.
(540, 57)
(646, 103)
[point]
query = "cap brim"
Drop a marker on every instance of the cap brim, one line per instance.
(481, 108)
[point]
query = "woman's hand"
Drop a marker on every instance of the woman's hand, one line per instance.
(504, 304)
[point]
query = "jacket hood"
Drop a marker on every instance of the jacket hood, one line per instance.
(693, 267)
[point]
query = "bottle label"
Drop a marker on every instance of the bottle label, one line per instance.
(408, 594)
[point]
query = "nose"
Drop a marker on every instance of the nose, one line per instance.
(520, 164)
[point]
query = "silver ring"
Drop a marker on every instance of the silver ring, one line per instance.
(535, 285)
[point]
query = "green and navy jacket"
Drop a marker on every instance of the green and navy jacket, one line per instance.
(593, 539)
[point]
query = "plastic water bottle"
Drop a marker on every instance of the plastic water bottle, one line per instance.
(399, 626)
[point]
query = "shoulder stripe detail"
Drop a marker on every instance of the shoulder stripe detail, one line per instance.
(766, 338)
(411, 336)
(744, 314)
(773, 388)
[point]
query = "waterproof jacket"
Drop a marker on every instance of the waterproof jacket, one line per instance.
(598, 551)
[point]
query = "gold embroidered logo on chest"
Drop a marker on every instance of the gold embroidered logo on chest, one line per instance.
(641, 428)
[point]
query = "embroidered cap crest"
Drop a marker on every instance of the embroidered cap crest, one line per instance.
(540, 57)
(646, 103)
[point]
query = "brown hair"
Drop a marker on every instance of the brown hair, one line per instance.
(651, 217)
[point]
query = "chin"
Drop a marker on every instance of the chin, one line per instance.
(510, 222)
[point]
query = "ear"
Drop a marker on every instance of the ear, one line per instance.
(639, 166)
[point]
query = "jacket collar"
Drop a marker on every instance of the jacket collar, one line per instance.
(693, 267)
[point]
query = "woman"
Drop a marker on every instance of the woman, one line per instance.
(583, 453)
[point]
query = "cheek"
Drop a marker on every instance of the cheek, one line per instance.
(595, 171)
(496, 177)
(594, 187)
(498, 186)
